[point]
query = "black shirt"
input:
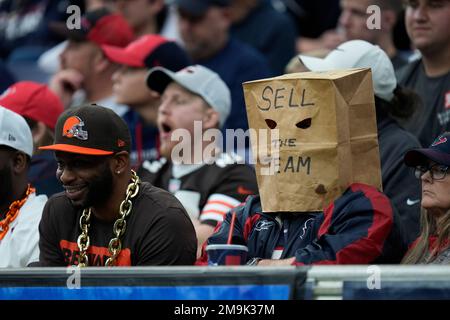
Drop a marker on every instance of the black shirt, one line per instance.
(158, 232)
(433, 117)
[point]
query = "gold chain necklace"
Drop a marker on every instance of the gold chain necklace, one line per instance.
(115, 245)
(13, 212)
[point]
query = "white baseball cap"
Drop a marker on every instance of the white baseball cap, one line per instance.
(200, 81)
(15, 132)
(359, 54)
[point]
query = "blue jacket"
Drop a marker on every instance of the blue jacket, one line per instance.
(360, 227)
(42, 173)
(236, 63)
(275, 40)
(399, 182)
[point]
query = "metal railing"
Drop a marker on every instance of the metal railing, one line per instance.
(327, 282)
(316, 282)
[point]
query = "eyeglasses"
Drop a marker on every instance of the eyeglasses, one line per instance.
(437, 171)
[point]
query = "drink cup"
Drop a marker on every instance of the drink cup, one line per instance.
(226, 254)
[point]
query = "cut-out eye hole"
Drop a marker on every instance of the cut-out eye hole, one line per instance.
(271, 124)
(304, 124)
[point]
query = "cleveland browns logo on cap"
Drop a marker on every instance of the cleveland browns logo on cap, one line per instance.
(73, 128)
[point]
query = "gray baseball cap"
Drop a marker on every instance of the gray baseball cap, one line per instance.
(199, 80)
(359, 54)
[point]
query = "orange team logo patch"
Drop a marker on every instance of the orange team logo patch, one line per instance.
(97, 255)
(73, 128)
(244, 191)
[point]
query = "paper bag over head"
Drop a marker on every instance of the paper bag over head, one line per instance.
(327, 137)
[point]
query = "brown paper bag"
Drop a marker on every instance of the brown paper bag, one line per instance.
(327, 137)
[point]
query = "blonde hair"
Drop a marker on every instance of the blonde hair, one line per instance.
(421, 253)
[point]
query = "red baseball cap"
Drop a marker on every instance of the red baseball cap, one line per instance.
(33, 100)
(100, 26)
(149, 51)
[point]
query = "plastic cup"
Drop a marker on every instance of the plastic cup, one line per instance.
(226, 254)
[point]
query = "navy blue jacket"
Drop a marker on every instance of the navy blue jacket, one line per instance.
(236, 63)
(42, 173)
(275, 40)
(360, 227)
(399, 182)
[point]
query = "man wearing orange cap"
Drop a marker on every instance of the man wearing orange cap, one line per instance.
(107, 216)
(41, 108)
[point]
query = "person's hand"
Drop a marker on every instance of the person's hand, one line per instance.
(328, 40)
(272, 262)
(64, 83)
(331, 39)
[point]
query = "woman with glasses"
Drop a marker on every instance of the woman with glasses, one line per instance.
(431, 167)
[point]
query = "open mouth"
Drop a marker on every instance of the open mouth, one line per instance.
(166, 128)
